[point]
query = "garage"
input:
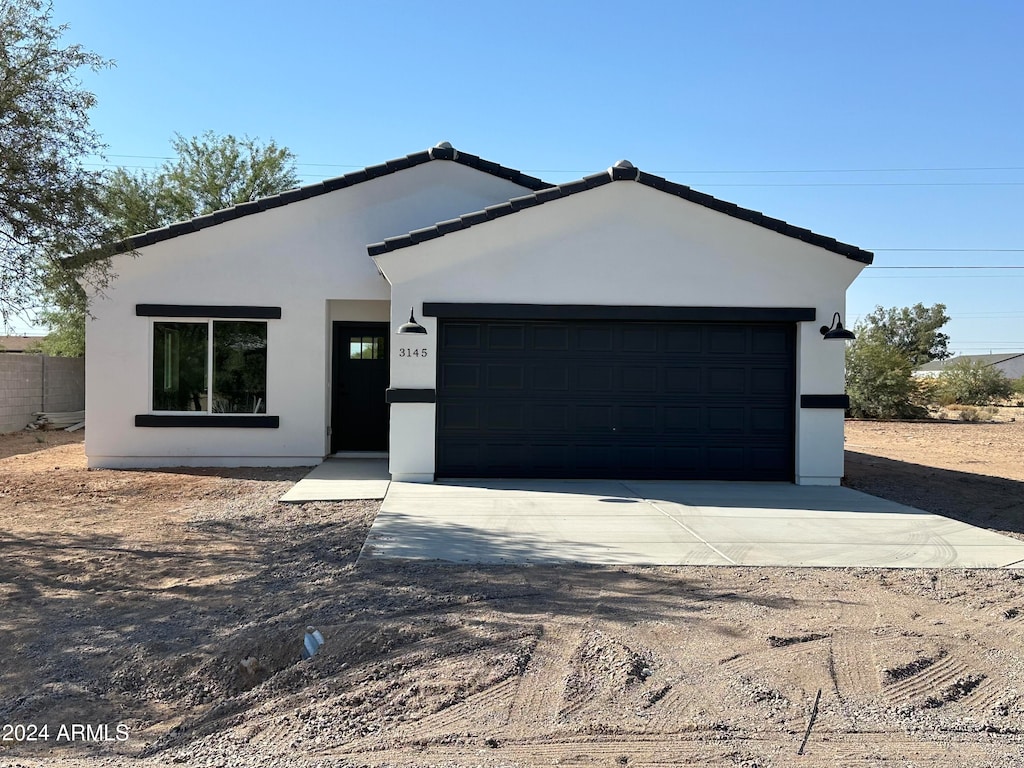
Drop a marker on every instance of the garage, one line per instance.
(612, 398)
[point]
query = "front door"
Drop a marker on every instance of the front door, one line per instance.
(359, 412)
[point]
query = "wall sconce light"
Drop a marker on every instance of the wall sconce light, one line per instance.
(412, 326)
(836, 330)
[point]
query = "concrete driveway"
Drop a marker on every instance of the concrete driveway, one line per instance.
(672, 523)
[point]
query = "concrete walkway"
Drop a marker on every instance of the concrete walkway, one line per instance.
(673, 523)
(341, 480)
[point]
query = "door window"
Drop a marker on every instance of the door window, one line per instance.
(366, 347)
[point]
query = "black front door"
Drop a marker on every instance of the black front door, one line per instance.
(359, 412)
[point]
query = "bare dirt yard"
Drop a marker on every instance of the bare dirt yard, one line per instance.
(156, 618)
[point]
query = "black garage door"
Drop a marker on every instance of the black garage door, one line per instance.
(612, 399)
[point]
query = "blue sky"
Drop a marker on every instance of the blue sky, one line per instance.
(888, 125)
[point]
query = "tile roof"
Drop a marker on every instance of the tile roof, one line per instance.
(621, 171)
(443, 151)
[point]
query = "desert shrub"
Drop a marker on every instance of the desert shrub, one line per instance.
(971, 414)
(928, 390)
(1018, 386)
(879, 380)
(973, 383)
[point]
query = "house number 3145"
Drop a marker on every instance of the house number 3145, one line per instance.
(412, 351)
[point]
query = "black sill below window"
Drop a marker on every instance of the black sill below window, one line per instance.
(207, 420)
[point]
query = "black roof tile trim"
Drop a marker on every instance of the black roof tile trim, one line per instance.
(617, 173)
(329, 185)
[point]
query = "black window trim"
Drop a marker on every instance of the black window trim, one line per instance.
(215, 311)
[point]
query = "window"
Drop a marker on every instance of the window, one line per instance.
(366, 347)
(184, 353)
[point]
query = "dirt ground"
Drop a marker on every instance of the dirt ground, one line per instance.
(169, 607)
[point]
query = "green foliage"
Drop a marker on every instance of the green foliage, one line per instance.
(65, 318)
(209, 173)
(1018, 386)
(970, 382)
(879, 380)
(914, 331)
(48, 200)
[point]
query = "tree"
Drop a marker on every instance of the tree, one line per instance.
(914, 331)
(971, 382)
(879, 379)
(209, 173)
(49, 202)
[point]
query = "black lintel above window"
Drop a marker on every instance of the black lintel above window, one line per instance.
(208, 310)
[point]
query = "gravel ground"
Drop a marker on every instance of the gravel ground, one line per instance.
(173, 604)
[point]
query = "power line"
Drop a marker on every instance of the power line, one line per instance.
(878, 184)
(938, 277)
(948, 250)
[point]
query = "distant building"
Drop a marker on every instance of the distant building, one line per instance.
(20, 343)
(1010, 363)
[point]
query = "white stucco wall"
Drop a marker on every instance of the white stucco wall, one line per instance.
(309, 258)
(624, 244)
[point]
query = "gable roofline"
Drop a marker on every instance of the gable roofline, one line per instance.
(621, 171)
(986, 360)
(443, 151)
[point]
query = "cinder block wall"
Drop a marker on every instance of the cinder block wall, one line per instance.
(30, 383)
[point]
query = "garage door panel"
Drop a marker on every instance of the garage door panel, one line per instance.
(723, 459)
(769, 381)
(550, 377)
(616, 399)
(639, 379)
(640, 339)
(727, 381)
(551, 338)
(595, 456)
(593, 378)
(458, 416)
(506, 377)
(683, 340)
(638, 418)
(505, 416)
(460, 336)
(683, 381)
(769, 460)
(731, 419)
(726, 341)
(769, 420)
(594, 338)
(769, 341)
(506, 337)
(590, 418)
(681, 418)
(456, 376)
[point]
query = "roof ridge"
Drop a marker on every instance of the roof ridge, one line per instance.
(621, 171)
(442, 151)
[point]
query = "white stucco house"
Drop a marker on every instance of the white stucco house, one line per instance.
(617, 326)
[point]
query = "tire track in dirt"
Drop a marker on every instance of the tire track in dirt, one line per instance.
(541, 688)
(930, 680)
(853, 667)
(703, 748)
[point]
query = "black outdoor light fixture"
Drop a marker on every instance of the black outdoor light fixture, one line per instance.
(413, 327)
(836, 331)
